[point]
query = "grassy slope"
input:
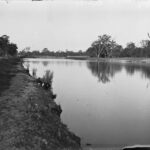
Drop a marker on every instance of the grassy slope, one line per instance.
(27, 121)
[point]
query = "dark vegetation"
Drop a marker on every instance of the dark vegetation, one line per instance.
(103, 47)
(7, 71)
(45, 52)
(7, 49)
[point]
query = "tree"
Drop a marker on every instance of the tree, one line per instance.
(130, 50)
(146, 47)
(35, 53)
(27, 49)
(131, 46)
(145, 43)
(45, 51)
(103, 46)
(12, 49)
(116, 51)
(4, 41)
(91, 52)
(7, 48)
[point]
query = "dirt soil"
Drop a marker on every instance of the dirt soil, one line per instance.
(27, 117)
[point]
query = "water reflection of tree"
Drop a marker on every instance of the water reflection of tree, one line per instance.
(104, 70)
(143, 69)
(45, 63)
(58, 62)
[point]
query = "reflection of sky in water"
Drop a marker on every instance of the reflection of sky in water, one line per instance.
(103, 103)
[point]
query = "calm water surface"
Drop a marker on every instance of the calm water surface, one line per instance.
(106, 104)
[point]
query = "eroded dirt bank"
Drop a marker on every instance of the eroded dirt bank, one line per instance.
(28, 116)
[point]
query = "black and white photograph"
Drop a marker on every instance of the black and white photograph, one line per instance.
(74, 74)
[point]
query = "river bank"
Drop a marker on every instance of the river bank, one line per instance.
(27, 119)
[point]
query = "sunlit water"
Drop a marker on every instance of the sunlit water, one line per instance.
(106, 104)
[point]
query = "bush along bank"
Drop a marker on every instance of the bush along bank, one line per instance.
(30, 118)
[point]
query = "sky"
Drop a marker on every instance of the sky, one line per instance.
(73, 24)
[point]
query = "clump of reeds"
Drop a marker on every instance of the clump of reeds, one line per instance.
(46, 80)
(34, 73)
(27, 68)
(48, 77)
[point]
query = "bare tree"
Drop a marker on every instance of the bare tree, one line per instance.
(103, 45)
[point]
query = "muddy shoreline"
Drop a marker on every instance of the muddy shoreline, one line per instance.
(28, 119)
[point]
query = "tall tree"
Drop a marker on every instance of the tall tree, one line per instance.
(131, 46)
(45, 51)
(4, 41)
(103, 46)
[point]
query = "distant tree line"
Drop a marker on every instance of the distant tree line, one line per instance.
(45, 52)
(6, 47)
(103, 47)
